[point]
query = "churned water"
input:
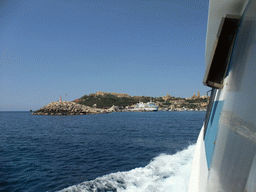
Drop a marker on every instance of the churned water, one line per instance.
(131, 151)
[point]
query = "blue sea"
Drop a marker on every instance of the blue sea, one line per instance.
(122, 151)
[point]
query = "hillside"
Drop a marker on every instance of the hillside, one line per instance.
(106, 100)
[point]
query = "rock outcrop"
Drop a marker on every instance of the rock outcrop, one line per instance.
(113, 109)
(67, 108)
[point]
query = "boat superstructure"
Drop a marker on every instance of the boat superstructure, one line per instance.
(225, 156)
(149, 106)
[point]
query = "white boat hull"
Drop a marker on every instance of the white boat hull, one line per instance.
(225, 158)
(150, 106)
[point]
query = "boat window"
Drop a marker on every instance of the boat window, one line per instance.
(216, 71)
(209, 109)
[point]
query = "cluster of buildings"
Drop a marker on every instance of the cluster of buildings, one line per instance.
(99, 93)
(164, 103)
(194, 103)
(197, 96)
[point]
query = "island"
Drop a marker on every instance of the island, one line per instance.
(105, 102)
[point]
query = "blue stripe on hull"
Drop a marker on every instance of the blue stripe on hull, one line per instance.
(212, 130)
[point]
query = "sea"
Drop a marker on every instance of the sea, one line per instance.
(114, 152)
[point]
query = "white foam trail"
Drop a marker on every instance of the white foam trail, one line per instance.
(165, 173)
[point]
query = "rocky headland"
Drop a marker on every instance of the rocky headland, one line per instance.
(70, 108)
(105, 102)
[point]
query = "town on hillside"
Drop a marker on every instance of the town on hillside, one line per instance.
(104, 102)
(125, 102)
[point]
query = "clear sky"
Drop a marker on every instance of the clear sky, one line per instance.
(50, 48)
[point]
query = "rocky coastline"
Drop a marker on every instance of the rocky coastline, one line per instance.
(101, 102)
(69, 108)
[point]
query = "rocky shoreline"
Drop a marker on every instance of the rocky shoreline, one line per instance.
(69, 108)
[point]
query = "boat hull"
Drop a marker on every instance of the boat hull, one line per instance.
(228, 138)
(150, 106)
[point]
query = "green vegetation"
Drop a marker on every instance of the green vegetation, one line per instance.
(109, 100)
(197, 100)
(190, 106)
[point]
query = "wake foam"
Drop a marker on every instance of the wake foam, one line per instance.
(165, 173)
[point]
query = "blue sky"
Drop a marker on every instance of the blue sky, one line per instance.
(139, 47)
